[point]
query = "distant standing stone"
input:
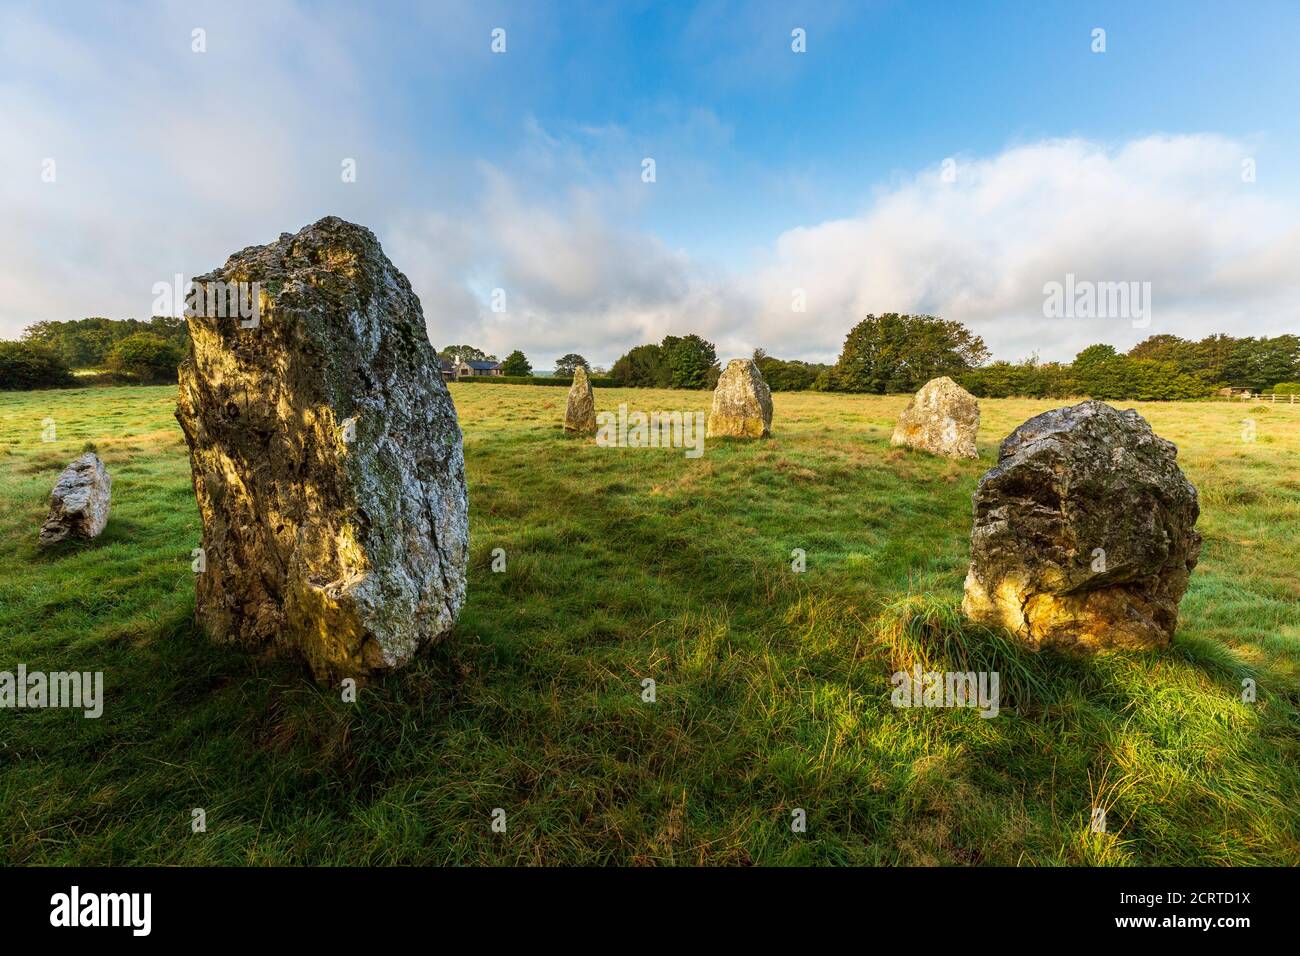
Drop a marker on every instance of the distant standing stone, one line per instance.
(742, 403)
(327, 460)
(942, 418)
(1083, 536)
(79, 502)
(580, 415)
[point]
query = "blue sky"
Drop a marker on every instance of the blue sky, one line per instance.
(775, 171)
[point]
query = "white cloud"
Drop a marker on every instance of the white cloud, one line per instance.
(1172, 211)
(167, 160)
(1169, 210)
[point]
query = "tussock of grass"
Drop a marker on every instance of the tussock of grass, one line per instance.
(920, 630)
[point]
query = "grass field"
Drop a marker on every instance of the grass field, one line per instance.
(622, 564)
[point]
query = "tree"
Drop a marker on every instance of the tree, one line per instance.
(689, 360)
(466, 353)
(516, 364)
(1095, 356)
(1150, 381)
(1255, 363)
(900, 353)
(791, 376)
(1101, 372)
(1213, 354)
(1028, 378)
(27, 365)
(1167, 348)
(641, 367)
(1260, 364)
(145, 357)
(85, 343)
(679, 361)
(566, 365)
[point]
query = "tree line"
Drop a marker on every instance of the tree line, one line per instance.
(127, 350)
(897, 352)
(892, 352)
(1159, 368)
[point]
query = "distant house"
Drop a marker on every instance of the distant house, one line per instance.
(459, 368)
(479, 368)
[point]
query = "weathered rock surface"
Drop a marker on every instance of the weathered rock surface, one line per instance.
(580, 414)
(326, 458)
(742, 403)
(942, 418)
(1083, 536)
(79, 502)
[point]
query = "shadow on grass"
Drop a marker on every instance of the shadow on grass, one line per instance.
(116, 531)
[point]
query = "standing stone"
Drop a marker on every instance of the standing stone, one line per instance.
(1083, 536)
(580, 415)
(742, 403)
(942, 418)
(327, 459)
(79, 502)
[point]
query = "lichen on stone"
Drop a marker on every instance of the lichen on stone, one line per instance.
(580, 410)
(942, 419)
(326, 459)
(79, 502)
(742, 403)
(1083, 535)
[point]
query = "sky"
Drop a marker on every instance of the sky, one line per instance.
(945, 158)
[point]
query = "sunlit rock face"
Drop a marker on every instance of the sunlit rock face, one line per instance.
(79, 502)
(326, 459)
(942, 418)
(742, 403)
(580, 413)
(1084, 533)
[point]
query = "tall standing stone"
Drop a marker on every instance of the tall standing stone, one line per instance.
(79, 502)
(942, 418)
(326, 459)
(1084, 533)
(742, 403)
(580, 413)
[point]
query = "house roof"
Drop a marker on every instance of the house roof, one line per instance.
(483, 366)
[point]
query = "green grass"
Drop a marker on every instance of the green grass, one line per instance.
(773, 688)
